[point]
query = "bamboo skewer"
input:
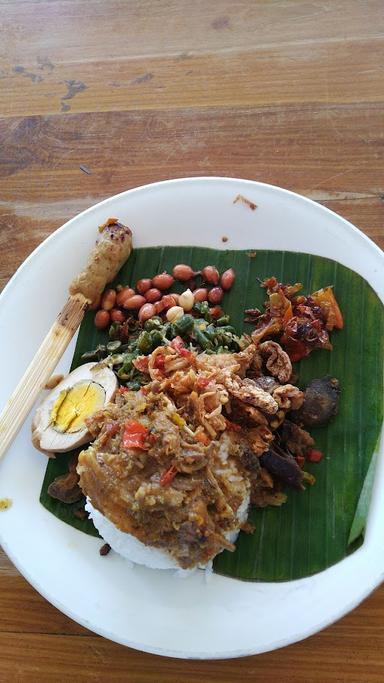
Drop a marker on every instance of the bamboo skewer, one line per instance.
(104, 262)
(40, 369)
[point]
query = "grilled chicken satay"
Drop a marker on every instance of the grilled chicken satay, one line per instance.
(105, 260)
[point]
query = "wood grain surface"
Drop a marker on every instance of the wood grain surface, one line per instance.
(98, 96)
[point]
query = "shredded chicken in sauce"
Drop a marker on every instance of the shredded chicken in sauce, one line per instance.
(173, 463)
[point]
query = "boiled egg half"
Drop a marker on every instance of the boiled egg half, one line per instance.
(59, 423)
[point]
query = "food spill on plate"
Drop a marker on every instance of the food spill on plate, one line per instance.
(188, 422)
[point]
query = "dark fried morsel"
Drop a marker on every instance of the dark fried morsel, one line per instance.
(264, 491)
(283, 466)
(294, 438)
(321, 401)
(104, 550)
(66, 488)
(72, 464)
(267, 383)
(250, 460)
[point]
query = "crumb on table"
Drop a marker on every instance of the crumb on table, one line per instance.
(5, 503)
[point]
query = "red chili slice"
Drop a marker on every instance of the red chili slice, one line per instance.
(135, 435)
(232, 426)
(122, 390)
(179, 345)
(314, 455)
(159, 363)
(186, 353)
(168, 476)
(141, 363)
(202, 382)
(203, 438)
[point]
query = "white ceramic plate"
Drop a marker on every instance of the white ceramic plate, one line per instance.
(145, 609)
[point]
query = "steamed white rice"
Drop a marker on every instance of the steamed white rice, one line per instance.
(137, 552)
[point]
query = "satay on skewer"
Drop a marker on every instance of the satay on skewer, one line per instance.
(105, 260)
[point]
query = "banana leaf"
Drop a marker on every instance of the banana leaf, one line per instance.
(313, 529)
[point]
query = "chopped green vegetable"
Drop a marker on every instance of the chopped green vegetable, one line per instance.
(224, 320)
(114, 346)
(157, 339)
(114, 331)
(96, 355)
(144, 343)
(154, 323)
(133, 385)
(184, 325)
(202, 307)
(203, 341)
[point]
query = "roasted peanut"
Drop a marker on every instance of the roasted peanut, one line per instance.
(215, 295)
(117, 316)
(200, 294)
(143, 285)
(227, 279)
(169, 300)
(163, 281)
(186, 300)
(159, 307)
(108, 300)
(134, 302)
(153, 295)
(210, 274)
(124, 295)
(146, 311)
(174, 313)
(102, 319)
(182, 272)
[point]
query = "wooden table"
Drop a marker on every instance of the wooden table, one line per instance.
(101, 95)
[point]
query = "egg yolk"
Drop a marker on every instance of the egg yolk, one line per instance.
(75, 404)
